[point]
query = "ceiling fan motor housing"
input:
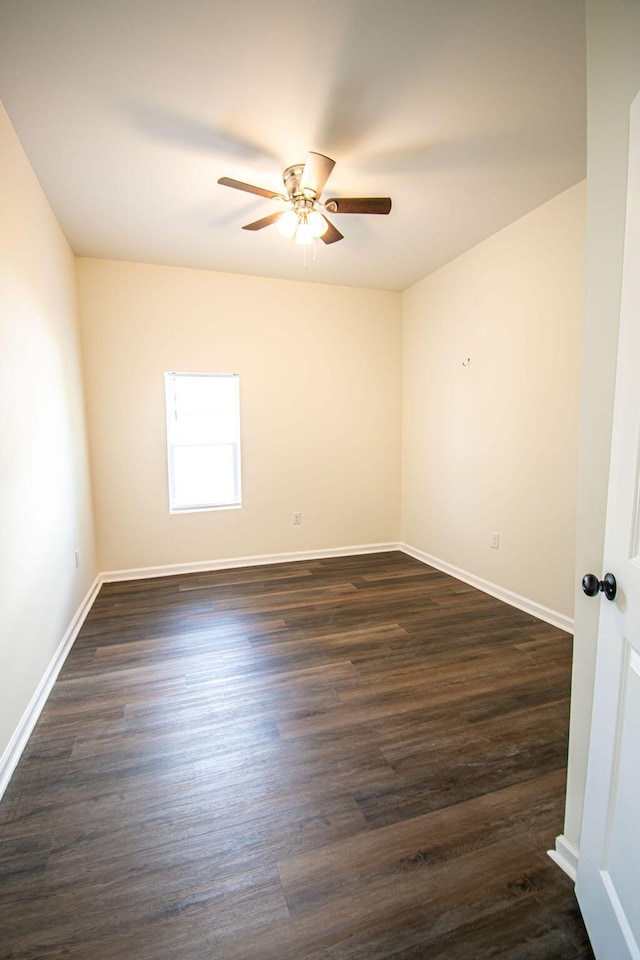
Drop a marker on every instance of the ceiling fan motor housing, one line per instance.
(291, 178)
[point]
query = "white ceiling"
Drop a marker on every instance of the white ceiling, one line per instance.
(468, 113)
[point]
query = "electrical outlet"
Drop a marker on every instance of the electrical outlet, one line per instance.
(495, 541)
(77, 559)
(297, 517)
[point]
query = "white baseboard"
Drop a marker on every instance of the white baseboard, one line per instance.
(18, 742)
(515, 600)
(566, 856)
(203, 566)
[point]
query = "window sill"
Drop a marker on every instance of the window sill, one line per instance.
(177, 511)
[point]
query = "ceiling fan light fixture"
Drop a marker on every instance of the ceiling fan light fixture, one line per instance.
(288, 223)
(304, 234)
(317, 223)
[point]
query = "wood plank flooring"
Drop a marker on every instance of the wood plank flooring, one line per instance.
(348, 759)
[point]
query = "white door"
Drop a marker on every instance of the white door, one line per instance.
(608, 884)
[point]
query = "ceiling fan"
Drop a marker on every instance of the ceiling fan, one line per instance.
(304, 213)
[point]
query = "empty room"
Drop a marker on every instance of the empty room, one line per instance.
(320, 552)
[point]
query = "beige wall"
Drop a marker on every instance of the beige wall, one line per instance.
(45, 501)
(613, 79)
(491, 445)
(320, 371)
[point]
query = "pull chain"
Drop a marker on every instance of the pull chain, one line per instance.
(315, 253)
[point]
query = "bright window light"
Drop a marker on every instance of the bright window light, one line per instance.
(203, 440)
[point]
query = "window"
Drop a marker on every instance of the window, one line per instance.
(203, 440)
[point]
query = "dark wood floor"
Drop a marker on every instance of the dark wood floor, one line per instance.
(347, 759)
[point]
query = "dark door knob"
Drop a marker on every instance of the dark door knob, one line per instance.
(592, 586)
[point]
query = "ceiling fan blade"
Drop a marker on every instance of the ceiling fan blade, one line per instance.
(259, 224)
(358, 204)
(332, 234)
(315, 174)
(249, 188)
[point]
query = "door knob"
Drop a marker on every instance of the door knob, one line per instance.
(592, 586)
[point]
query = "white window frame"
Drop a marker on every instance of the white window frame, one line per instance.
(173, 443)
